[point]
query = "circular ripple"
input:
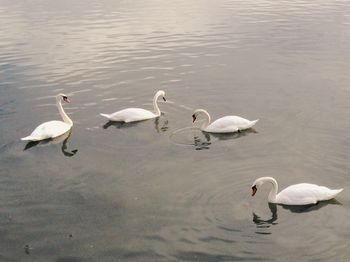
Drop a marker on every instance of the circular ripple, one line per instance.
(191, 136)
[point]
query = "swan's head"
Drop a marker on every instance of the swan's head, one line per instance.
(257, 183)
(197, 112)
(194, 117)
(63, 97)
(162, 94)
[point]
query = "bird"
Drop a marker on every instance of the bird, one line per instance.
(55, 128)
(226, 124)
(136, 114)
(298, 194)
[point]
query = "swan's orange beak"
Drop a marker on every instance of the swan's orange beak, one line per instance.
(65, 99)
(194, 118)
(254, 189)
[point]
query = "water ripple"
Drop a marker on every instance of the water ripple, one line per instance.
(149, 191)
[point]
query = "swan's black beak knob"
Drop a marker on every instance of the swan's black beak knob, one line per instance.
(164, 99)
(194, 118)
(65, 99)
(254, 189)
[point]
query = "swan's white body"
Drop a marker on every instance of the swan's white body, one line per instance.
(226, 124)
(298, 194)
(136, 114)
(52, 129)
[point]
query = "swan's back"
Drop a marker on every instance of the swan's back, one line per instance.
(228, 124)
(304, 194)
(50, 129)
(131, 114)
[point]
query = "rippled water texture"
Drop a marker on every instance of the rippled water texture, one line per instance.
(161, 190)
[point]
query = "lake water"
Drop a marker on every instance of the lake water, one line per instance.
(160, 190)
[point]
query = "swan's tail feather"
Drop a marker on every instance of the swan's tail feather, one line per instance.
(337, 191)
(29, 138)
(105, 115)
(252, 123)
(333, 193)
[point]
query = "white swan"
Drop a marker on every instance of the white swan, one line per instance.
(226, 124)
(55, 128)
(298, 194)
(136, 114)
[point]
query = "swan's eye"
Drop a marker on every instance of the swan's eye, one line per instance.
(254, 189)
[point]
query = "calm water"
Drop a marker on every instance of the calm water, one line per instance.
(159, 190)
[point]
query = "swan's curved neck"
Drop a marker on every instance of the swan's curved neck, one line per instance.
(155, 105)
(63, 114)
(207, 118)
(274, 189)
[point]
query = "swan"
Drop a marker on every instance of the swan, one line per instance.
(55, 128)
(226, 124)
(298, 194)
(136, 114)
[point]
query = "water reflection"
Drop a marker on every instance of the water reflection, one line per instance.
(283, 61)
(63, 138)
(312, 207)
(159, 126)
(205, 141)
(119, 124)
(194, 136)
(201, 144)
(266, 223)
(235, 135)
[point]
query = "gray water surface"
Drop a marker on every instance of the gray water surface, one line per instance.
(160, 190)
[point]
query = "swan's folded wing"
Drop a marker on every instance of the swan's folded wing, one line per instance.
(50, 129)
(304, 194)
(132, 114)
(223, 125)
(230, 124)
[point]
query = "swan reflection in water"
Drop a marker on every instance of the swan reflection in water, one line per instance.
(159, 126)
(266, 223)
(311, 207)
(205, 141)
(63, 138)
